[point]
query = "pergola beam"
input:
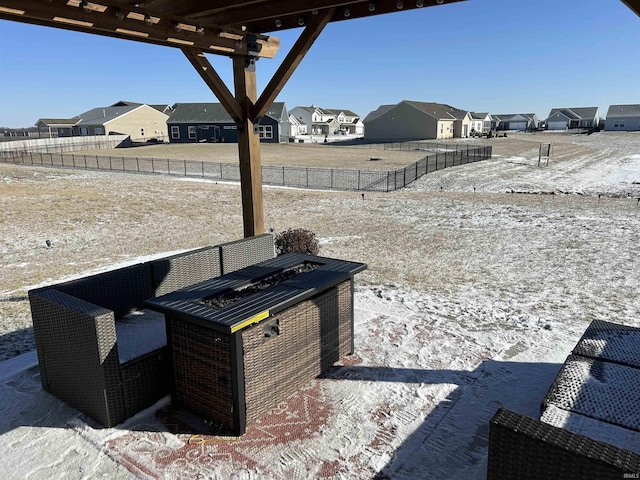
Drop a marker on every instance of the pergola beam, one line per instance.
(119, 20)
(290, 63)
(633, 5)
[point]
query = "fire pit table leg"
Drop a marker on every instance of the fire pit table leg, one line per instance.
(237, 384)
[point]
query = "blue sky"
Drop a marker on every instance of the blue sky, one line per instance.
(500, 56)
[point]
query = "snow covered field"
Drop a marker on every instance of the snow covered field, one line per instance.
(473, 298)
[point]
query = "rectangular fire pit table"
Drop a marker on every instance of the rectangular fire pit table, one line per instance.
(244, 342)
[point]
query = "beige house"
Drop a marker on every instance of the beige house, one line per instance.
(462, 123)
(141, 122)
(409, 120)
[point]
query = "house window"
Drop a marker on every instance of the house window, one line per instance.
(99, 131)
(441, 128)
(193, 132)
(265, 131)
(84, 131)
(175, 132)
(618, 124)
(587, 123)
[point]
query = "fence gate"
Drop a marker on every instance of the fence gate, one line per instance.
(545, 152)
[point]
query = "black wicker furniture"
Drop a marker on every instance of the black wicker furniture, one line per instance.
(589, 427)
(99, 350)
(243, 342)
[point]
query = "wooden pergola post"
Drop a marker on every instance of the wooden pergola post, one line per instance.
(246, 92)
(247, 110)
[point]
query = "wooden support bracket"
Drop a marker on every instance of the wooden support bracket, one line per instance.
(213, 81)
(291, 62)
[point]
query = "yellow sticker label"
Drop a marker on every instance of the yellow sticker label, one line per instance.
(255, 319)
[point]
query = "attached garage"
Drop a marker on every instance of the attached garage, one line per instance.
(557, 125)
(518, 126)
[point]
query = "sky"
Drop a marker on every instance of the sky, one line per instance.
(496, 56)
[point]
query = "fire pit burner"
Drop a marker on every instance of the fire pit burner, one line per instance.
(227, 298)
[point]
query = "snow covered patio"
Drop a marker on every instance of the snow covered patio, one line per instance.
(414, 402)
(472, 301)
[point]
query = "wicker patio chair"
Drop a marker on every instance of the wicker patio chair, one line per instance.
(248, 251)
(74, 325)
(524, 448)
(77, 325)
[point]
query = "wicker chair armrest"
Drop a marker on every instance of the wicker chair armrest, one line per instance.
(524, 448)
(77, 353)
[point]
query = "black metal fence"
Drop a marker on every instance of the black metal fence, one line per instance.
(302, 177)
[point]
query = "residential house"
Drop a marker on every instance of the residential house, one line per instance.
(462, 123)
(57, 127)
(520, 122)
(210, 122)
(570, 118)
(138, 120)
(318, 121)
(297, 127)
(350, 122)
(164, 108)
(480, 122)
(623, 118)
(411, 120)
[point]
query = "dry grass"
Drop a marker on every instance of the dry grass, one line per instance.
(429, 240)
(336, 155)
(330, 155)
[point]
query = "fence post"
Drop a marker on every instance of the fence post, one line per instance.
(185, 168)
(358, 179)
(283, 175)
(307, 176)
(332, 179)
(202, 167)
(168, 167)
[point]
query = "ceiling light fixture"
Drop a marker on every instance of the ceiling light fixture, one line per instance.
(119, 14)
(400, 4)
(177, 27)
(372, 6)
(420, 3)
(85, 6)
(278, 23)
(301, 21)
(199, 29)
(347, 12)
(148, 20)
